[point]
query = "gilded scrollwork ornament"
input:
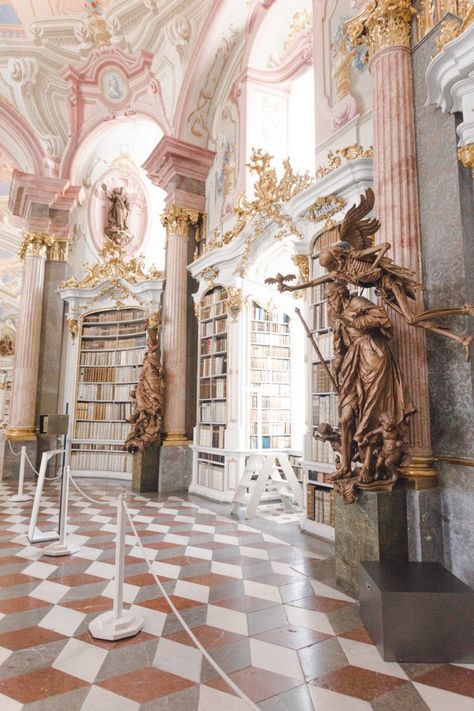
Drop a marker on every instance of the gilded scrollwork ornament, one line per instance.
(35, 244)
(210, 275)
(234, 302)
(343, 155)
(382, 23)
(466, 155)
(177, 219)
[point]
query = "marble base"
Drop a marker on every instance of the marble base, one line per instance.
(10, 464)
(145, 470)
(175, 471)
(425, 532)
(374, 528)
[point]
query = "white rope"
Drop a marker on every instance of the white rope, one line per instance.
(189, 632)
(15, 454)
(108, 500)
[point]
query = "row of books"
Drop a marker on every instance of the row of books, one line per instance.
(320, 504)
(113, 316)
(216, 388)
(213, 345)
(325, 409)
(277, 339)
(102, 410)
(135, 342)
(113, 330)
(101, 461)
(270, 363)
(321, 477)
(213, 412)
(103, 391)
(271, 415)
(118, 358)
(271, 428)
(270, 376)
(211, 436)
(268, 442)
(110, 375)
(322, 383)
(214, 297)
(102, 430)
(270, 327)
(260, 314)
(322, 452)
(208, 457)
(270, 351)
(213, 366)
(210, 475)
(212, 328)
(269, 402)
(272, 389)
(324, 343)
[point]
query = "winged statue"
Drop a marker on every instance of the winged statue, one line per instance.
(356, 260)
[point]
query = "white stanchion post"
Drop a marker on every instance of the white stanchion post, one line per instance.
(20, 496)
(61, 547)
(118, 623)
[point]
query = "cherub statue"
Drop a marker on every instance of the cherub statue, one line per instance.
(389, 443)
(356, 260)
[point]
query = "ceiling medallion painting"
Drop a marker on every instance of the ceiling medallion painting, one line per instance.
(113, 85)
(118, 209)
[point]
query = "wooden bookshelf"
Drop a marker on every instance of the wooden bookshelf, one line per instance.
(112, 347)
(212, 390)
(270, 379)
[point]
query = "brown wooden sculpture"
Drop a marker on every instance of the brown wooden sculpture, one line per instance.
(148, 397)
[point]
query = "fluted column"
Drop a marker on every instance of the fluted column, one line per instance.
(176, 221)
(25, 379)
(384, 25)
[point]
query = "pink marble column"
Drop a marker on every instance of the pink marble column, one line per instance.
(25, 378)
(181, 170)
(385, 27)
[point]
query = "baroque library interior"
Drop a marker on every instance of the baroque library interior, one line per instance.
(236, 355)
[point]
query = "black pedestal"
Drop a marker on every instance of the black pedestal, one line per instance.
(145, 470)
(417, 612)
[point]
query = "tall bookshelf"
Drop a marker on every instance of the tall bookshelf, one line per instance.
(112, 346)
(324, 405)
(212, 390)
(270, 379)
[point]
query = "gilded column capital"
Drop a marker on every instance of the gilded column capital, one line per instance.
(382, 23)
(466, 155)
(35, 244)
(176, 220)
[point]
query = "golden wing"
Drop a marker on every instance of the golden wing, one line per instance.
(356, 230)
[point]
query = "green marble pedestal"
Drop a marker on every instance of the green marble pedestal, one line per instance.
(374, 528)
(145, 470)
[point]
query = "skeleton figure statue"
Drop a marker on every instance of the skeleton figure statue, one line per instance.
(356, 260)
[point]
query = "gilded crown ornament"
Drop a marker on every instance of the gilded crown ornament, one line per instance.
(177, 219)
(382, 23)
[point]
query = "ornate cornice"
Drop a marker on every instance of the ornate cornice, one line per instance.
(210, 274)
(381, 24)
(342, 155)
(35, 244)
(177, 219)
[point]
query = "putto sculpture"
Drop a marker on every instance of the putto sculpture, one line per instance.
(374, 409)
(148, 397)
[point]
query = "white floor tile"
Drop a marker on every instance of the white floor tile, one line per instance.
(99, 698)
(233, 571)
(326, 700)
(441, 700)
(274, 658)
(169, 512)
(167, 570)
(4, 654)
(80, 659)
(262, 591)
(62, 620)
(157, 528)
(311, 619)
(154, 619)
(130, 592)
(230, 540)
(192, 591)
(50, 592)
(143, 519)
(184, 519)
(101, 570)
(254, 553)
(88, 553)
(9, 704)
(180, 659)
(272, 539)
(179, 540)
(204, 529)
(285, 569)
(138, 552)
(40, 570)
(224, 619)
(360, 654)
(218, 700)
(30, 552)
(194, 552)
(101, 519)
(327, 591)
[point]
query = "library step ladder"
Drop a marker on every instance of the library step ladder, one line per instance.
(262, 480)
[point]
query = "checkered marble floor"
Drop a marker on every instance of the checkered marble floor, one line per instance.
(264, 609)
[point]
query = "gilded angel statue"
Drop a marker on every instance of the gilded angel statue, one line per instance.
(356, 260)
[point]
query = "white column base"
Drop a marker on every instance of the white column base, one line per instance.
(20, 497)
(56, 549)
(108, 626)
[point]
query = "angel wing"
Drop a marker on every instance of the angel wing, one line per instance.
(280, 279)
(356, 230)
